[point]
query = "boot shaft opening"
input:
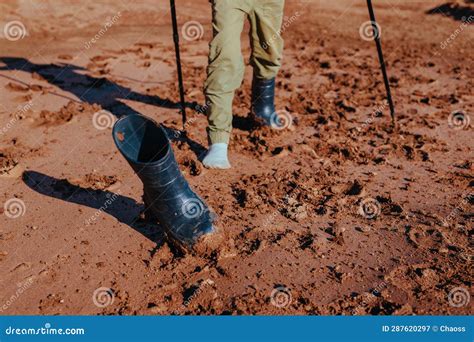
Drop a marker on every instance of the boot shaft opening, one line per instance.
(140, 139)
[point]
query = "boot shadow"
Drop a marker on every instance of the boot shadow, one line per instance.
(124, 209)
(454, 10)
(244, 123)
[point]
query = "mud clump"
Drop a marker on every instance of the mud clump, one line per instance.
(98, 182)
(191, 166)
(7, 162)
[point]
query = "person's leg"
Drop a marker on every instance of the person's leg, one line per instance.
(267, 43)
(267, 47)
(224, 75)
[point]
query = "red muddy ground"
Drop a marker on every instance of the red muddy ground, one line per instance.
(296, 238)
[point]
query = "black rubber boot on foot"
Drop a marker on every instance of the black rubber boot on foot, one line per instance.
(167, 194)
(263, 100)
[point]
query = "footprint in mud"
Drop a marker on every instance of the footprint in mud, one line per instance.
(65, 57)
(21, 267)
(66, 113)
(424, 237)
(3, 255)
(5, 236)
(17, 87)
(101, 58)
(414, 278)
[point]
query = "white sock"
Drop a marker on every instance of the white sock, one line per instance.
(216, 157)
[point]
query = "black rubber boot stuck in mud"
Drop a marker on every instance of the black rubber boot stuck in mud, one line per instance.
(263, 97)
(167, 194)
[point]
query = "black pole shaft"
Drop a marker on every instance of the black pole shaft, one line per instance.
(381, 59)
(178, 62)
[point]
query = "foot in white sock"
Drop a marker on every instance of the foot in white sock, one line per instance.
(216, 157)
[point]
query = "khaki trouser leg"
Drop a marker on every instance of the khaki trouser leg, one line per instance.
(267, 44)
(226, 66)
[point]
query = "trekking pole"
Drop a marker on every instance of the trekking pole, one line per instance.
(376, 34)
(178, 63)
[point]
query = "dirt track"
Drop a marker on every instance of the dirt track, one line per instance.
(292, 208)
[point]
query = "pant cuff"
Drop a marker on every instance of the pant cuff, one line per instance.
(219, 137)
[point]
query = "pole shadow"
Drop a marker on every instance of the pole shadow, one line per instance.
(98, 90)
(89, 89)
